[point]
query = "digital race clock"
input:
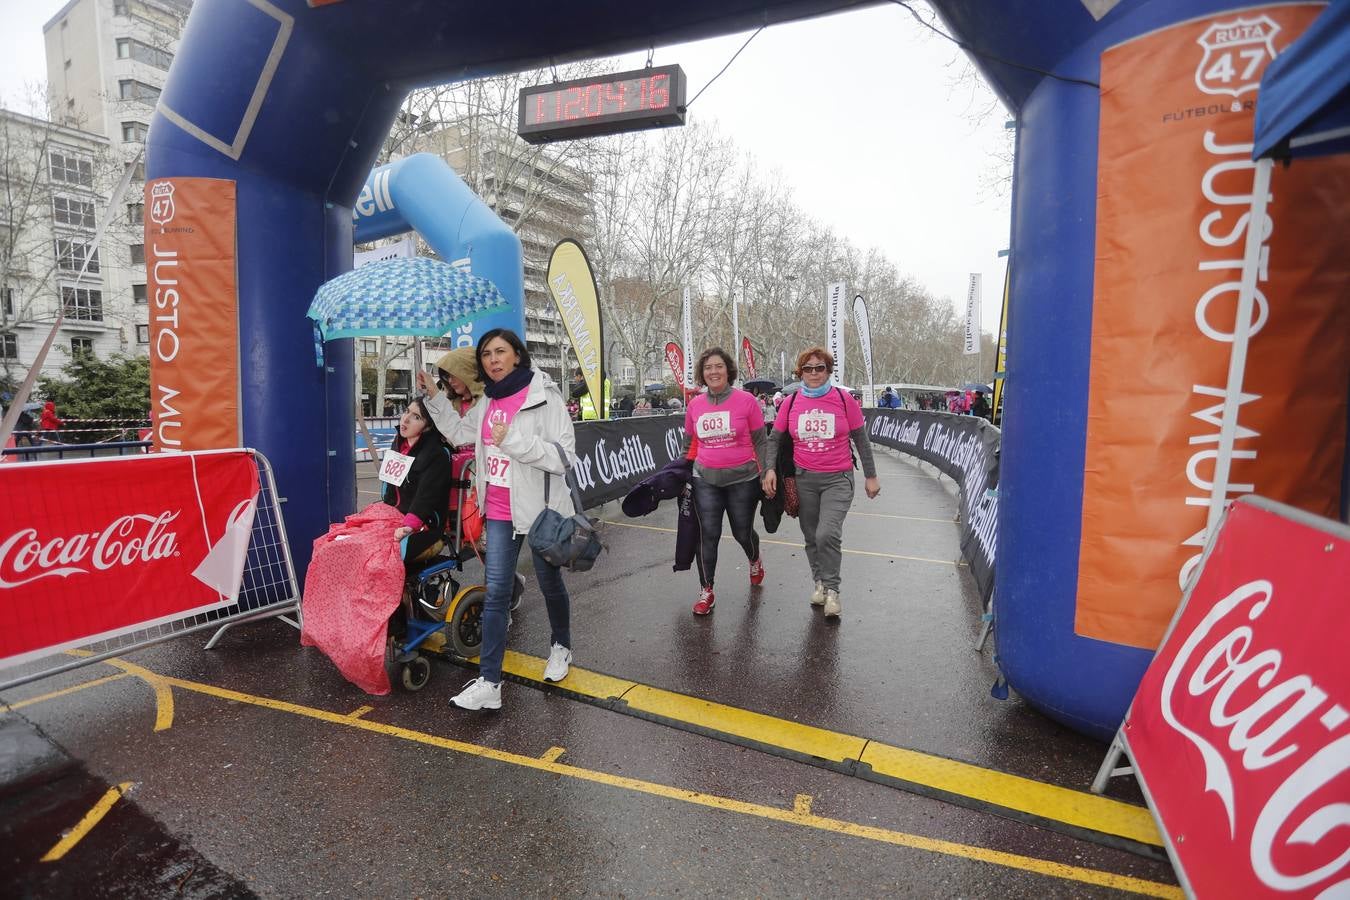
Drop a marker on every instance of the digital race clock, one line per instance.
(606, 104)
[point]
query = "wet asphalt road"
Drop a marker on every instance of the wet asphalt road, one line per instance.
(276, 777)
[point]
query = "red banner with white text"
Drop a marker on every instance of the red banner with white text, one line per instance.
(1240, 730)
(748, 348)
(98, 548)
(675, 356)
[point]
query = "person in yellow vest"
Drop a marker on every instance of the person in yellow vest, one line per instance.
(588, 410)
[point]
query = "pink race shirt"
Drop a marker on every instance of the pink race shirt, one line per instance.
(819, 428)
(724, 430)
(497, 463)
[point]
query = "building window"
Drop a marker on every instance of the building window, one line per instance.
(138, 293)
(73, 211)
(130, 48)
(137, 253)
(70, 255)
(7, 301)
(81, 345)
(138, 174)
(130, 89)
(71, 169)
(9, 346)
(83, 304)
(142, 332)
(134, 131)
(368, 347)
(119, 8)
(136, 216)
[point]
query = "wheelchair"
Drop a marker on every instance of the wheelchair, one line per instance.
(438, 613)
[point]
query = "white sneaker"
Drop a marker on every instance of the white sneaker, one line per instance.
(559, 660)
(818, 595)
(832, 607)
(479, 694)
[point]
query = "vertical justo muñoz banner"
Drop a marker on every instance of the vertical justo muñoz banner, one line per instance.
(1175, 178)
(864, 327)
(191, 287)
(834, 334)
(749, 350)
(571, 283)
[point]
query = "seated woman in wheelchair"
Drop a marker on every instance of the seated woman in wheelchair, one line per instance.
(418, 484)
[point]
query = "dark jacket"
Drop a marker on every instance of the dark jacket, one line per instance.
(426, 491)
(671, 482)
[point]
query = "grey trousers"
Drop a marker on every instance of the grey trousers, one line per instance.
(824, 501)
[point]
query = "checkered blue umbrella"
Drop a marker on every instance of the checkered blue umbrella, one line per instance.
(416, 296)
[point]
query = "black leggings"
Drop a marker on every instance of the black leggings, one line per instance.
(738, 501)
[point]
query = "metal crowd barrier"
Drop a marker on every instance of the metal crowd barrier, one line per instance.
(269, 589)
(74, 451)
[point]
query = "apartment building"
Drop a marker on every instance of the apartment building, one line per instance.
(54, 184)
(107, 61)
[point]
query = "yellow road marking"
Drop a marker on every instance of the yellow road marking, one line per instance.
(552, 754)
(359, 712)
(160, 685)
(710, 801)
(1012, 792)
(801, 805)
(797, 545)
(91, 818)
(70, 690)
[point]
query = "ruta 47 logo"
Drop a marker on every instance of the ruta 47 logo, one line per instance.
(1236, 53)
(161, 203)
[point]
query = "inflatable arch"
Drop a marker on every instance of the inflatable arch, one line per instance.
(423, 193)
(289, 101)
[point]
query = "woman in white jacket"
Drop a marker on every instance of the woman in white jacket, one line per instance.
(513, 428)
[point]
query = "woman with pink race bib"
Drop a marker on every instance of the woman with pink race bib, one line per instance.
(821, 420)
(729, 427)
(517, 428)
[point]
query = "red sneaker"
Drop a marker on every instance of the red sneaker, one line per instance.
(705, 602)
(757, 572)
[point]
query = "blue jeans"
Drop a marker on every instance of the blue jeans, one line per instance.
(503, 550)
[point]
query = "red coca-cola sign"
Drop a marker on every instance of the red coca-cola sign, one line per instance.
(1240, 730)
(90, 549)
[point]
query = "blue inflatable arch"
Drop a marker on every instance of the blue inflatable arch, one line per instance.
(292, 102)
(423, 193)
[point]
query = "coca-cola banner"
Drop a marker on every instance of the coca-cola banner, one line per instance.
(966, 449)
(90, 549)
(1240, 731)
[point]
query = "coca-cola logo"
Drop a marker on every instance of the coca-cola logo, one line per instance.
(1254, 719)
(26, 556)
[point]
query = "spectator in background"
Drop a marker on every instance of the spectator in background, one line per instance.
(49, 420)
(980, 407)
(889, 399)
(625, 407)
(643, 407)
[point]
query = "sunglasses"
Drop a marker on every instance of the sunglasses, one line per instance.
(821, 367)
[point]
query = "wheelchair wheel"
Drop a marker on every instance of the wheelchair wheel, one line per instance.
(415, 673)
(517, 592)
(464, 622)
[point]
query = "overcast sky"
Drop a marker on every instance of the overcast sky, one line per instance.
(863, 113)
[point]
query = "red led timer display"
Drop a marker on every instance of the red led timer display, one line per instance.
(607, 104)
